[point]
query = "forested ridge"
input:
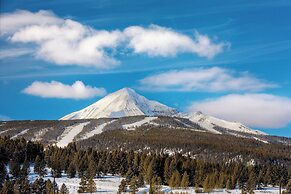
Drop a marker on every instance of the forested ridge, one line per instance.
(207, 146)
(137, 167)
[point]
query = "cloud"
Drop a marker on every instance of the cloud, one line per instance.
(213, 79)
(11, 22)
(14, 52)
(71, 44)
(67, 42)
(160, 41)
(56, 89)
(256, 110)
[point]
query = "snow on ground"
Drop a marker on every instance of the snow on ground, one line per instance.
(132, 126)
(106, 184)
(97, 130)
(70, 133)
(21, 133)
(258, 139)
(4, 131)
(191, 190)
(39, 134)
(109, 184)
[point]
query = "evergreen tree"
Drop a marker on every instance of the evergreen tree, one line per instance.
(175, 180)
(15, 168)
(38, 186)
(288, 188)
(3, 173)
(71, 171)
(207, 186)
(132, 185)
(228, 185)
(185, 180)
(25, 169)
(153, 187)
(7, 188)
(39, 166)
(49, 187)
(251, 183)
(64, 189)
(91, 187)
(122, 186)
(83, 185)
(140, 180)
(91, 171)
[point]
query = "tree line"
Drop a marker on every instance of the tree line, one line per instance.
(137, 168)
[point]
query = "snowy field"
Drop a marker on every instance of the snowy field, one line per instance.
(109, 184)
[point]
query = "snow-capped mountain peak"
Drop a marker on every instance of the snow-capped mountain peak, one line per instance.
(124, 102)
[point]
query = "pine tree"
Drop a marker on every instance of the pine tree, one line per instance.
(15, 168)
(38, 186)
(7, 188)
(64, 189)
(175, 180)
(39, 166)
(91, 171)
(149, 173)
(71, 171)
(207, 188)
(3, 173)
(251, 183)
(153, 187)
(49, 187)
(122, 186)
(185, 181)
(132, 185)
(25, 169)
(140, 180)
(159, 184)
(288, 188)
(91, 187)
(82, 185)
(228, 185)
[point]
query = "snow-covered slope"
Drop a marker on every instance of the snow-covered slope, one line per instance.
(124, 102)
(215, 125)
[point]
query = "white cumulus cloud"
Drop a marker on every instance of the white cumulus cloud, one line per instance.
(256, 110)
(213, 79)
(54, 89)
(160, 41)
(11, 22)
(67, 42)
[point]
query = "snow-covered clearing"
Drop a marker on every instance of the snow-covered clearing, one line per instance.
(106, 184)
(97, 130)
(132, 126)
(70, 133)
(18, 134)
(109, 184)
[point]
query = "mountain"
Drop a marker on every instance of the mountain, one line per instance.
(122, 103)
(126, 102)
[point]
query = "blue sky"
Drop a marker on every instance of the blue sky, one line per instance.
(231, 59)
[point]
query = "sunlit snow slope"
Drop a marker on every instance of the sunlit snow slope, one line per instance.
(124, 102)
